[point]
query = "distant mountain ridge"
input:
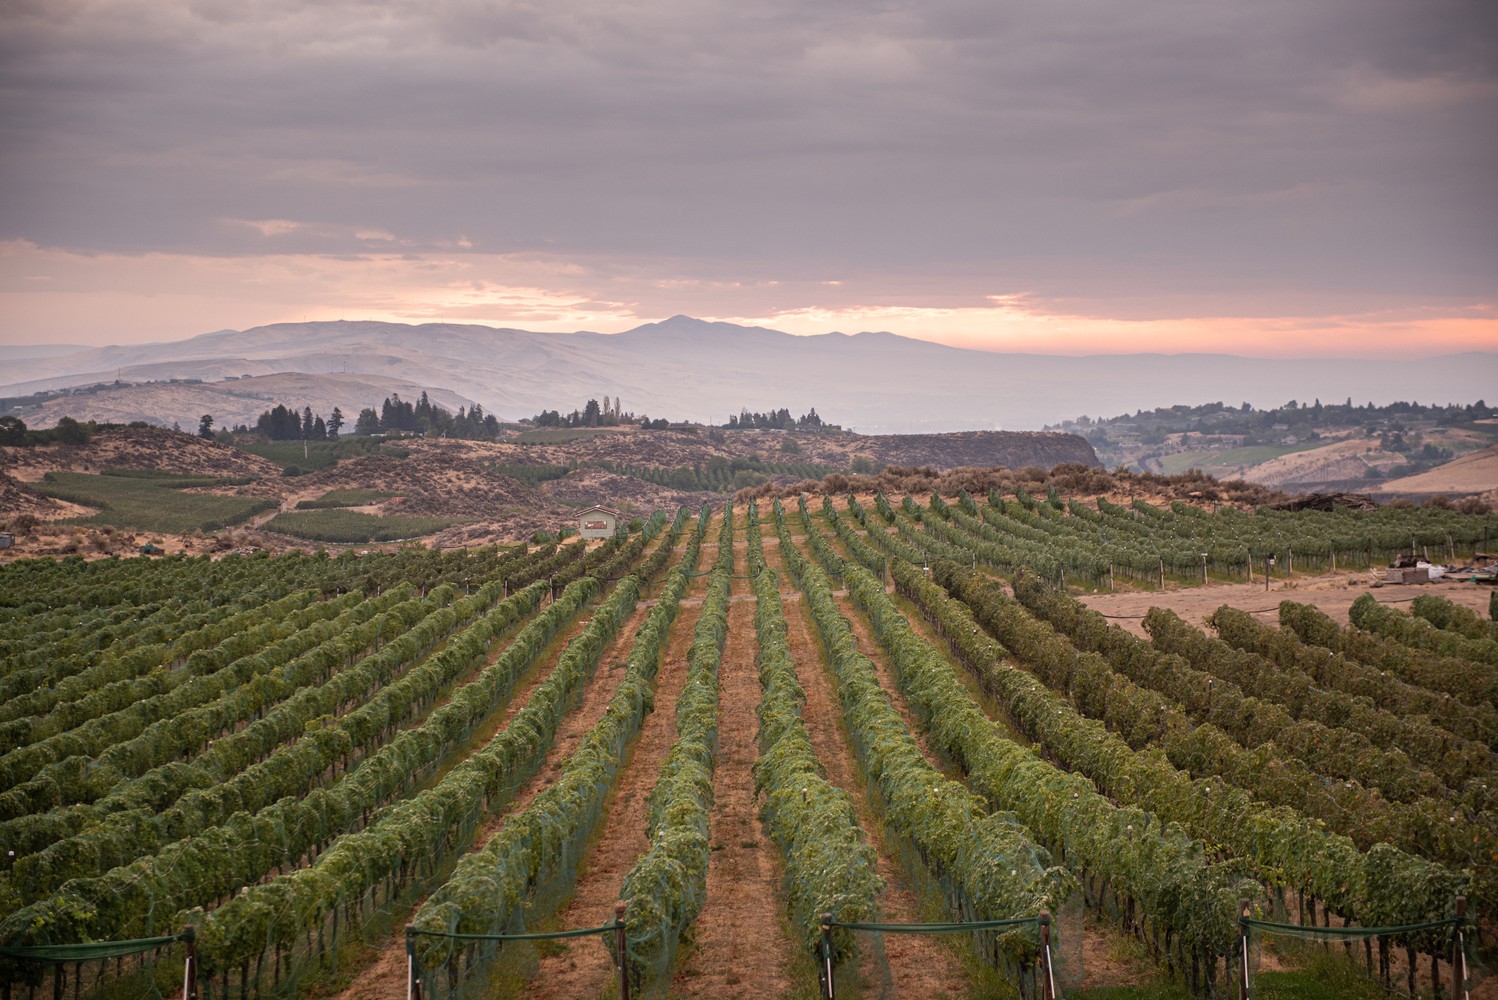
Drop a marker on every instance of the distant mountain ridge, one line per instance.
(684, 368)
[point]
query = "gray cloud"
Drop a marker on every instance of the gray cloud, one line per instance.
(1166, 156)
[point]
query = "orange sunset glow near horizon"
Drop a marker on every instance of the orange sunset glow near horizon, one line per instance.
(117, 299)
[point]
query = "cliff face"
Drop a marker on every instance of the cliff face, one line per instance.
(1015, 449)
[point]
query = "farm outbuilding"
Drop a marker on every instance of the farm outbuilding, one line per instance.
(597, 522)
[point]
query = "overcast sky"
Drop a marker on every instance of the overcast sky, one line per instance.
(1274, 177)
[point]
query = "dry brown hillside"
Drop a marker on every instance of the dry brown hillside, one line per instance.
(668, 449)
(152, 448)
(1475, 472)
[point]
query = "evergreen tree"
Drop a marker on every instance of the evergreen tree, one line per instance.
(12, 430)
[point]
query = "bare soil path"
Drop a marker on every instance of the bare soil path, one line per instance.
(739, 946)
(582, 967)
(1333, 593)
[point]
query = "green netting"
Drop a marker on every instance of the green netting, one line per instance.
(533, 936)
(873, 975)
(488, 959)
(938, 928)
(82, 968)
(1402, 957)
(1307, 931)
(91, 950)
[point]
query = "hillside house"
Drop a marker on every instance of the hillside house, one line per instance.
(597, 522)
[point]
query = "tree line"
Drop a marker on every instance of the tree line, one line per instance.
(609, 413)
(396, 415)
(425, 418)
(780, 419)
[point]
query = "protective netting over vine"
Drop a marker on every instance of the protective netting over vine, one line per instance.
(1009, 947)
(56, 969)
(1440, 955)
(990, 940)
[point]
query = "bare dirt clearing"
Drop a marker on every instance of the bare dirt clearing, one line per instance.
(1332, 593)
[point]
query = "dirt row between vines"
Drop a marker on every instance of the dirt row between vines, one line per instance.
(738, 946)
(583, 967)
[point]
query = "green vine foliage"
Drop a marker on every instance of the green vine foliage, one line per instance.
(1404, 883)
(90, 907)
(1374, 741)
(90, 757)
(1451, 617)
(44, 674)
(1417, 633)
(668, 884)
(1287, 850)
(987, 861)
(210, 865)
(130, 676)
(1443, 674)
(830, 868)
(1205, 729)
(1336, 672)
(412, 835)
(136, 782)
(175, 799)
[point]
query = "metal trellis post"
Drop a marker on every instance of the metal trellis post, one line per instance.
(1048, 983)
(413, 981)
(621, 948)
(827, 989)
(1243, 912)
(190, 964)
(1459, 955)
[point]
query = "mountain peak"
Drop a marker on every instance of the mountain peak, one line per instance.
(691, 326)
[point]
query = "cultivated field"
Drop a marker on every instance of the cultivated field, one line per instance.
(348, 773)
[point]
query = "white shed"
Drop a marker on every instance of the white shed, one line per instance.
(597, 522)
